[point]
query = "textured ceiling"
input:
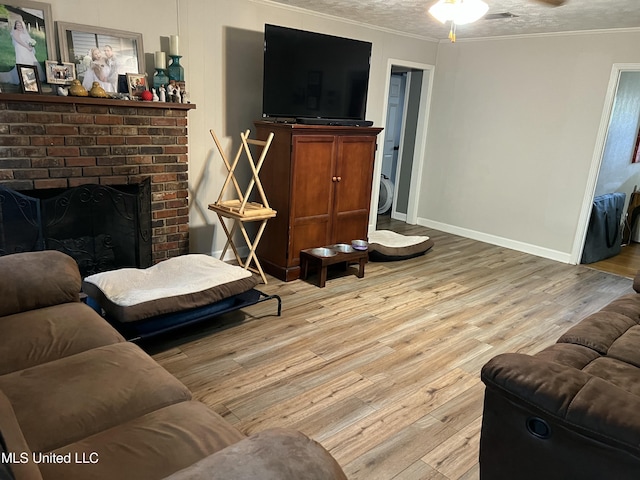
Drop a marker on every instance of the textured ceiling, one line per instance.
(411, 17)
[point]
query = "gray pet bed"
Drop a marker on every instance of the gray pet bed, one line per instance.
(386, 246)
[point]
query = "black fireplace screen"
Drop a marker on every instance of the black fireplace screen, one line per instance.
(101, 227)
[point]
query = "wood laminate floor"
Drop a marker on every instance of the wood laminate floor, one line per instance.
(384, 371)
(626, 263)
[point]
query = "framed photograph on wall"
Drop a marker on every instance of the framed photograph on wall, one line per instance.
(29, 79)
(60, 73)
(137, 83)
(100, 54)
(27, 38)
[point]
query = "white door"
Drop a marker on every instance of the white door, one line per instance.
(393, 127)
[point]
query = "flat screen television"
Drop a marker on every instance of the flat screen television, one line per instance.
(310, 75)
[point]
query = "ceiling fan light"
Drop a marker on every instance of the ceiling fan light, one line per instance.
(443, 10)
(459, 12)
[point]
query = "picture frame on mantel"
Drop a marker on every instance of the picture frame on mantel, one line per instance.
(137, 84)
(29, 79)
(29, 39)
(60, 73)
(100, 54)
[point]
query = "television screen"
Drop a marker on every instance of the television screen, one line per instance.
(312, 75)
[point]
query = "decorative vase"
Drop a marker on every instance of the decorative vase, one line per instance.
(176, 72)
(160, 78)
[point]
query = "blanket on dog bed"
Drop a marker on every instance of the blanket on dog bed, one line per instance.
(385, 246)
(177, 284)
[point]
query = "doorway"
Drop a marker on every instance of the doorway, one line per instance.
(399, 163)
(612, 169)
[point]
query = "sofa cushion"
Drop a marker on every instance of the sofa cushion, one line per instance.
(39, 336)
(627, 305)
(598, 331)
(626, 347)
(56, 280)
(269, 455)
(621, 374)
(148, 447)
(576, 356)
(15, 443)
(61, 402)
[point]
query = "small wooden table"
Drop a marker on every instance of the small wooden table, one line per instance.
(322, 262)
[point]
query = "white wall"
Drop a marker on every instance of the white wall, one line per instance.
(512, 135)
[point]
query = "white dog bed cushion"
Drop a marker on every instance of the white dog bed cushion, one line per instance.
(385, 245)
(179, 283)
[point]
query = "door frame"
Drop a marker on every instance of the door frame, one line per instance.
(420, 145)
(596, 160)
(394, 204)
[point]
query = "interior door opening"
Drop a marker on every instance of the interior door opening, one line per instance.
(612, 169)
(401, 148)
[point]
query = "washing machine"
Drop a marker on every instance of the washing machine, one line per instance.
(385, 198)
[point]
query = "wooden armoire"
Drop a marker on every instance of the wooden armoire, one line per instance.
(318, 178)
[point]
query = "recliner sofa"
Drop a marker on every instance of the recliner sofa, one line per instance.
(572, 411)
(79, 402)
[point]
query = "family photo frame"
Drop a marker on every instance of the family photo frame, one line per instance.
(100, 54)
(60, 73)
(28, 41)
(29, 79)
(137, 83)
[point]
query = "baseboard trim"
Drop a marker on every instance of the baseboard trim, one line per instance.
(499, 241)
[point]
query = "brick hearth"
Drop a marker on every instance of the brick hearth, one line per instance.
(60, 142)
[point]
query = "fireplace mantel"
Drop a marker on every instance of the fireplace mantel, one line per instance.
(57, 142)
(69, 100)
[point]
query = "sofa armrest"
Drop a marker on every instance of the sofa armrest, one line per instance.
(577, 399)
(277, 454)
(555, 421)
(34, 280)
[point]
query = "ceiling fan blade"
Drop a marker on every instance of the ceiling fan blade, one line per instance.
(553, 3)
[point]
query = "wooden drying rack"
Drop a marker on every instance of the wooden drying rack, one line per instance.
(240, 210)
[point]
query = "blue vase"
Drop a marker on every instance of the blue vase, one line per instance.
(176, 72)
(160, 78)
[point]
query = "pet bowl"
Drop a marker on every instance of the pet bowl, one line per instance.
(341, 247)
(323, 252)
(359, 244)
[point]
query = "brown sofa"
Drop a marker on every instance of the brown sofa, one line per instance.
(572, 411)
(79, 402)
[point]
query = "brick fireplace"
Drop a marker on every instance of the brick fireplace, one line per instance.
(50, 142)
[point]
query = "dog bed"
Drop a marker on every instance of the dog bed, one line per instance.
(176, 291)
(385, 246)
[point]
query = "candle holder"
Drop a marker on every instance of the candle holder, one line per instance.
(160, 78)
(176, 72)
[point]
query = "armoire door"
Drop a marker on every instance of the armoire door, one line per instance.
(354, 173)
(312, 195)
